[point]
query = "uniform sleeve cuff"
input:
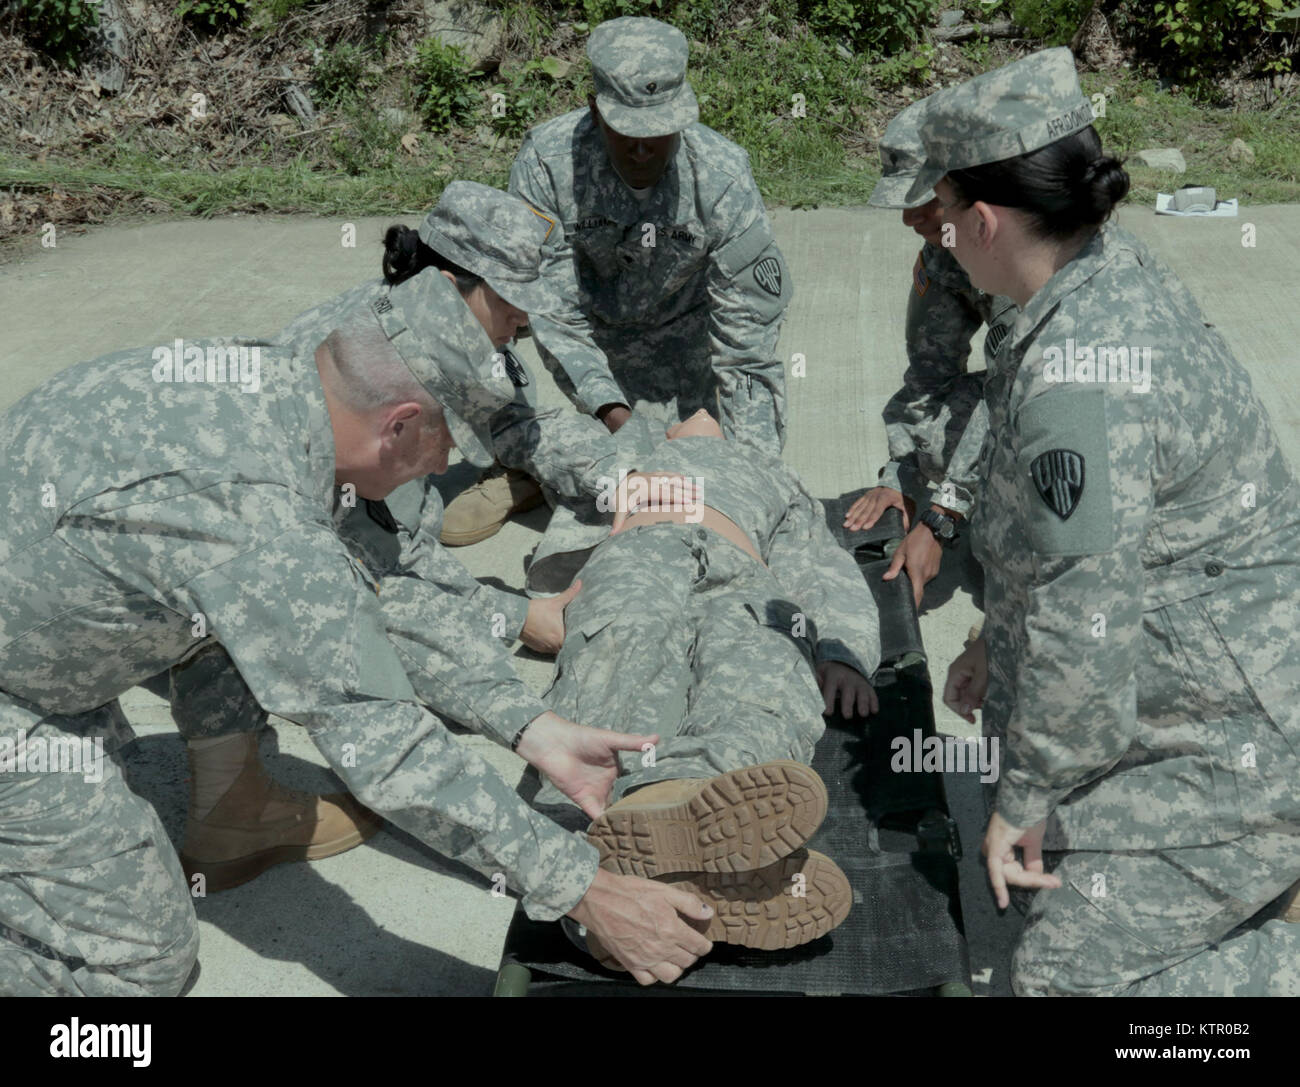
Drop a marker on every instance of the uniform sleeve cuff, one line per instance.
(510, 713)
(1025, 805)
(889, 477)
(562, 885)
(597, 391)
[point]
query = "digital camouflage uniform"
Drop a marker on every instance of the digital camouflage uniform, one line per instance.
(1142, 577)
(678, 631)
(673, 302)
(170, 501)
(936, 422)
(444, 622)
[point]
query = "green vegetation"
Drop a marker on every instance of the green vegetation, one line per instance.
(443, 89)
(58, 28)
(805, 87)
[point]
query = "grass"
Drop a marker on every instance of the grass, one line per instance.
(745, 83)
(1140, 115)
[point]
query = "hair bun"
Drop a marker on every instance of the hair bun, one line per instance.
(1104, 184)
(401, 253)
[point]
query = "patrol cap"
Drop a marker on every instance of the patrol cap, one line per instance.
(445, 347)
(639, 68)
(901, 156)
(1000, 114)
(498, 237)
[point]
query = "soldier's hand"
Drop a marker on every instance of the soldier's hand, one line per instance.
(544, 628)
(999, 851)
(920, 555)
(581, 762)
(644, 925)
(866, 511)
(852, 688)
(613, 416)
(968, 681)
(640, 491)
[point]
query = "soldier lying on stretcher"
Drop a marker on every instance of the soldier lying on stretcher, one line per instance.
(745, 622)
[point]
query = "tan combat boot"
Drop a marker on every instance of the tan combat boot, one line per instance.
(479, 512)
(258, 823)
(787, 904)
(736, 822)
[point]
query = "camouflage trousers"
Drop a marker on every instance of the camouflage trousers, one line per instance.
(668, 635)
(1176, 922)
(92, 898)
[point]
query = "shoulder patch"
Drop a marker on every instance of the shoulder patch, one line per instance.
(1058, 477)
(996, 334)
(767, 274)
(920, 278)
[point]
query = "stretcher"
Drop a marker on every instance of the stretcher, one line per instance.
(889, 831)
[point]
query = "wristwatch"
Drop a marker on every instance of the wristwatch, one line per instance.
(943, 527)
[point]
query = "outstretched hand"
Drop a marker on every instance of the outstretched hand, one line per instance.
(581, 762)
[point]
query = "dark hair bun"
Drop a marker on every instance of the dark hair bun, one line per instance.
(401, 253)
(1103, 185)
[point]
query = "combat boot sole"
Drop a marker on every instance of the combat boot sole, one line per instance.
(225, 875)
(787, 904)
(736, 822)
(792, 902)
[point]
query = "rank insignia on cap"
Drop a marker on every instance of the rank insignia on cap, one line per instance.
(1058, 476)
(920, 277)
(767, 274)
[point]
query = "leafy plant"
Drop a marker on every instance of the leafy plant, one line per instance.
(878, 27)
(340, 73)
(525, 95)
(214, 13)
(59, 28)
(443, 90)
(1054, 21)
(1207, 35)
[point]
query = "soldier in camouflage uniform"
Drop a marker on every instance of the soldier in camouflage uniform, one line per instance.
(138, 504)
(1138, 531)
(937, 421)
(733, 612)
(449, 628)
(676, 290)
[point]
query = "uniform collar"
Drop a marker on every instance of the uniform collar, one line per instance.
(1091, 259)
(317, 431)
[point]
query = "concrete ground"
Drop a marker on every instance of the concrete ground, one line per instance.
(391, 917)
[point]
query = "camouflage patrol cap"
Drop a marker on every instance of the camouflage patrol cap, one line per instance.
(1000, 114)
(498, 237)
(445, 347)
(901, 156)
(639, 68)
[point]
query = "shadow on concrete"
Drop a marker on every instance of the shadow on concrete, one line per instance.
(293, 914)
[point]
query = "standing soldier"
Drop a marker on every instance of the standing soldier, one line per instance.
(1138, 531)
(676, 290)
(937, 421)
